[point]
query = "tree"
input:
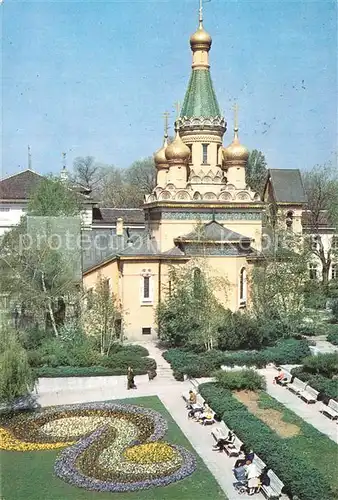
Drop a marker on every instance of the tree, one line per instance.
(191, 314)
(102, 316)
(278, 282)
(125, 188)
(116, 192)
(142, 174)
(321, 188)
(54, 198)
(16, 376)
(256, 171)
(38, 259)
(87, 172)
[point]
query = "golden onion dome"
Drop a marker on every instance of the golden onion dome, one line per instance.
(235, 152)
(200, 40)
(177, 151)
(160, 159)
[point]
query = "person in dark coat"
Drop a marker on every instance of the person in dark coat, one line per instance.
(130, 378)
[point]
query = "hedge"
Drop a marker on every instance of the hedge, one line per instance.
(292, 467)
(289, 351)
(333, 338)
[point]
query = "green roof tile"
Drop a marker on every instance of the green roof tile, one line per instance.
(200, 99)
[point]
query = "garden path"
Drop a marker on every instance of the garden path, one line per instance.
(308, 412)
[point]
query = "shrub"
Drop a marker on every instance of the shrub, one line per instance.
(239, 331)
(136, 350)
(290, 351)
(241, 379)
(294, 469)
(33, 338)
(34, 358)
(16, 377)
(334, 309)
(322, 364)
(333, 338)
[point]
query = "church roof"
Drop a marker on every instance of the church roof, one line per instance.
(19, 186)
(110, 215)
(287, 185)
(213, 231)
(200, 99)
(141, 245)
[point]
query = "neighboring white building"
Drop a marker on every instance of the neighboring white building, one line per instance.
(15, 192)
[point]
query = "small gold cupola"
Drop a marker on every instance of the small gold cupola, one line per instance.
(177, 151)
(235, 154)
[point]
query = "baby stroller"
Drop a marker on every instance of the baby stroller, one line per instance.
(241, 485)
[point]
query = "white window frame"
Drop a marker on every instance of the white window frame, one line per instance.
(146, 273)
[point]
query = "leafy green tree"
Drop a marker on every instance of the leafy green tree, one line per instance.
(278, 282)
(102, 316)
(321, 187)
(256, 171)
(53, 198)
(191, 314)
(16, 376)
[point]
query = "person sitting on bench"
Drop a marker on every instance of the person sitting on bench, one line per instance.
(253, 476)
(280, 378)
(246, 455)
(206, 414)
(192, 400)
(222, 442)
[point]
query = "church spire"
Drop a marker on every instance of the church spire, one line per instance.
(200, 99)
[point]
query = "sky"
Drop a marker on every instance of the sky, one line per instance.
(94, 77)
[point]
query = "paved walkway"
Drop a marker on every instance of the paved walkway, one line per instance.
(308, 412)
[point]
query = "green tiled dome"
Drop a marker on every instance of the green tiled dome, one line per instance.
(200, 99)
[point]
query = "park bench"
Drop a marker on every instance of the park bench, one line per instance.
(259, 463)
(331, 410)
(310, 395)
(274, 490)
(220, 432)
(297, 386)
(234, 449)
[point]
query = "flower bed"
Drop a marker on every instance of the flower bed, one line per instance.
(108, 446)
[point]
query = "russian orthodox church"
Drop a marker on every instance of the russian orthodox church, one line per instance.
(201, 206)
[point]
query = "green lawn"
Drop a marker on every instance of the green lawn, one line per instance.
(29, 475)
(310, 443)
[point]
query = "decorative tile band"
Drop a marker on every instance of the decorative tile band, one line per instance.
(208, 216)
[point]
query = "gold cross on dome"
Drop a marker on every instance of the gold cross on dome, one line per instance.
(236, 108)
(166, 115)
(178, 109)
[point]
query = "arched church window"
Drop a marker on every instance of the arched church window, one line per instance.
(205, 154)
(242, 287)
(146, 286)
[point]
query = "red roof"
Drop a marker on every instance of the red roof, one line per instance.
(19, 186)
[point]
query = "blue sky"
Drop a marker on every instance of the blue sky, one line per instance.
(93, 78)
